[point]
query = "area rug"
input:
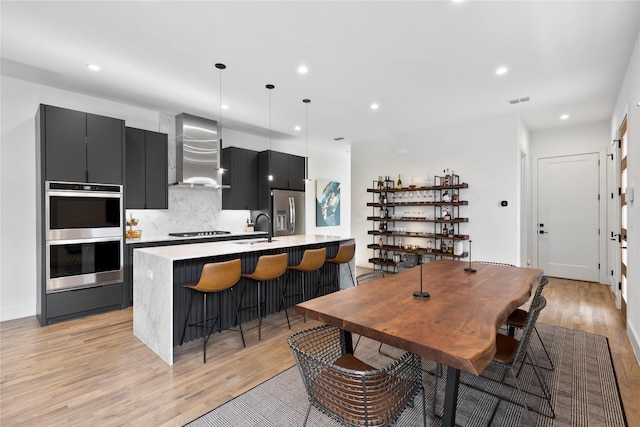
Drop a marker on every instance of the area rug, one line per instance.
(584, 391)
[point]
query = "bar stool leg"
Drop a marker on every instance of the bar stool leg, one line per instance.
(317, 292)
(206, 322)
(186, 320)
(283, 303)
(353, 281)
(237, 308)
(259, 314)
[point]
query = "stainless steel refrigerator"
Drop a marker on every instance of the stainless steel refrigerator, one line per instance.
(288, 212)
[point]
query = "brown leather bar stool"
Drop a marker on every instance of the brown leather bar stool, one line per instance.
(311, 262)
(215, 278)
(268, 268)
(344, 256)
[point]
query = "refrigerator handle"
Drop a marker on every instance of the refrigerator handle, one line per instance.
(292, 214)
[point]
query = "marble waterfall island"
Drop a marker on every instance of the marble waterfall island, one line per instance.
(159, 274)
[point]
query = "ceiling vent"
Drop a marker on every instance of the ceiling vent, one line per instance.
(519, 100)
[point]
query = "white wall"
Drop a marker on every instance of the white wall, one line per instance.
(330, 166)
(627, 104)
(19, 103)
(524, 137)
(571, 140)
(484, 153)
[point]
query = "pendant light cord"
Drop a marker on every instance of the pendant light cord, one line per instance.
(306, 130)
(270, 86)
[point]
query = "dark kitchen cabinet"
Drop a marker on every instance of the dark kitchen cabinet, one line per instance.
(287, 170)
(147, 168)
(296, 173)
(81, 147)
(242, 176)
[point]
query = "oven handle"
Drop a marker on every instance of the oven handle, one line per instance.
(79, 193)
(82, 187)
(86, 240)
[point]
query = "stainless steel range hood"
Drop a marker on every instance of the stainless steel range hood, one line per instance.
(198, 152)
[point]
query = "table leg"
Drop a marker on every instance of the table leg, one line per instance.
(348, 342)
(451, 397)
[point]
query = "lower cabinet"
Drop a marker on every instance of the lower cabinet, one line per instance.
(81, 302)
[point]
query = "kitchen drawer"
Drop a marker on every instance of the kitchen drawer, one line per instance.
(81, 302)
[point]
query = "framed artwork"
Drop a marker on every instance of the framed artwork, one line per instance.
(327, 203)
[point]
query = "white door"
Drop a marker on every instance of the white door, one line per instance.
(567, 217)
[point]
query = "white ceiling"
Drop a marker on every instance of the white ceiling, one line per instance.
(425, 63)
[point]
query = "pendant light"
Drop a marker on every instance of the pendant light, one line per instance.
(306, 130)
(270, 87)
(220, 67)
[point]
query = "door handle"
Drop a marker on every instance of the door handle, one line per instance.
(292, 214)
(544, 232)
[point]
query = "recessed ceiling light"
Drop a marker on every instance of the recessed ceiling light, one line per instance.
(564, 117)
(501, 70)
(297, 128)
(93, 67)
(224, 106)
(303, 69)
(374, 106)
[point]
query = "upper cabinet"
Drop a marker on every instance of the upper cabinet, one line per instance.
(147, 169)
(242, 176)
(287, 171)
(81, 147)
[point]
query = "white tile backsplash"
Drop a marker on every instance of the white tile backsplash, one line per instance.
(190, 209)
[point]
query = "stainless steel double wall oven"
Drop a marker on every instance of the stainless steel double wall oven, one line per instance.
(84, 235)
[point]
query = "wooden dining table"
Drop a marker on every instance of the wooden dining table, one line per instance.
(455, 326)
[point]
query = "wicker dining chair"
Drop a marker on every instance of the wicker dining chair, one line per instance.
(518, 317)
(349, 390)
(509, 353)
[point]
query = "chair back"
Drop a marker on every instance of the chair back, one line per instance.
(219, 276)
(532, 317)
(494, 263)
(368, 277)
(541, 285)
(345, 253)
(370, 397)
(270, 267)
(312, 259)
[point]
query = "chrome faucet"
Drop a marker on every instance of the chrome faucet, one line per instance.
(270, 225)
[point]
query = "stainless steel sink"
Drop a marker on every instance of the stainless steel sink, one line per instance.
(252, 241)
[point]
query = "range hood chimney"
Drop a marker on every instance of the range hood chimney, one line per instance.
(198, 152)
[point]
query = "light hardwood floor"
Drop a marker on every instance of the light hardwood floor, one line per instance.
(93, 371)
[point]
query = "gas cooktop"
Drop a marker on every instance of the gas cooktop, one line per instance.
(198, 233)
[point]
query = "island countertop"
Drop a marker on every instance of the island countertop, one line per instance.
(201, 250)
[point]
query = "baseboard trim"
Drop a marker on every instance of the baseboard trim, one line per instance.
(634, 339)
(17, 312)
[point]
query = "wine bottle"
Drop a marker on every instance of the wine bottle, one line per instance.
(379, 182)
(399, 182)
